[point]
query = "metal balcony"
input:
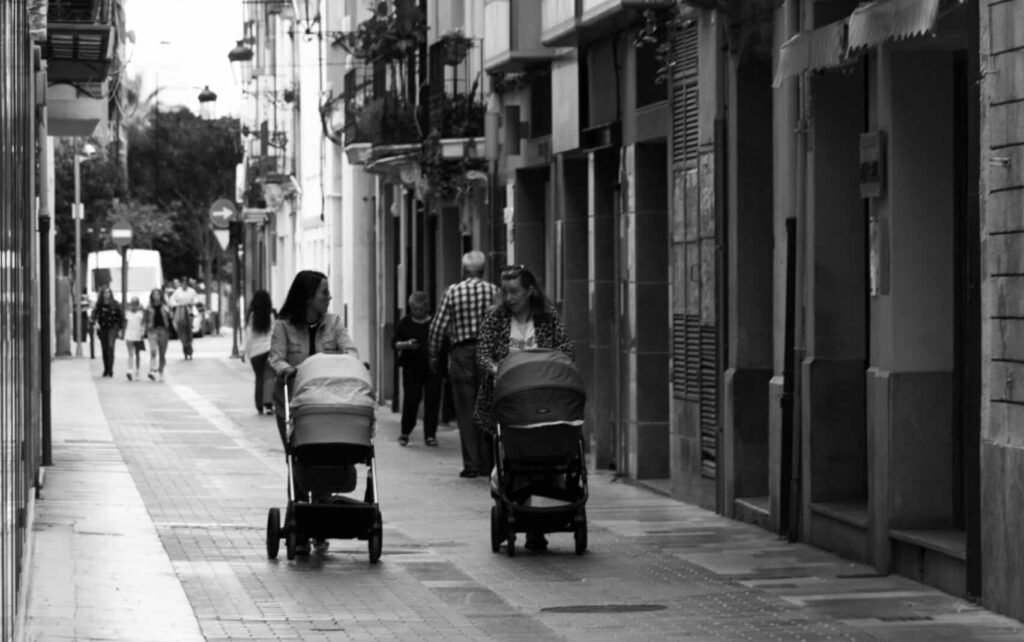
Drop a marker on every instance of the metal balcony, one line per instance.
(455, 99)
(80, 40)
(512, 36)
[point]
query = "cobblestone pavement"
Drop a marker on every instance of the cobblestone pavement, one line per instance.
(151, 526)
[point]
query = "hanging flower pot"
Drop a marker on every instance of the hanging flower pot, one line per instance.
(455, 47)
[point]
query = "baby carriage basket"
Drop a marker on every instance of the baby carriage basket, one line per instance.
(330, 416)
(539, 398)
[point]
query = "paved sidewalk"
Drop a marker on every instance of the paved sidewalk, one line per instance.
(151, 527)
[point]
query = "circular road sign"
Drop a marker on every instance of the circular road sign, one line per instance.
(222, 212)
(121, 234)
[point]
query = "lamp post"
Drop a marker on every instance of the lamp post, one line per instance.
(207, 100)
(78, 213)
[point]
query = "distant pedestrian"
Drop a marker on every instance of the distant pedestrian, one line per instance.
(458, 316)
(418, 381)
(182, 301)
(134, 334)
(109, 321)
(259, 321)
(157, 322)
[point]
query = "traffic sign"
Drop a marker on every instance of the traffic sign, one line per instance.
(222, 212)
(223, 237)
(121, 234)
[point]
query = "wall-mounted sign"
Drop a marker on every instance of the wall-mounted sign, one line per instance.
(872, 164)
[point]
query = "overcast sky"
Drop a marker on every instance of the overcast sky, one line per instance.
(183, 45)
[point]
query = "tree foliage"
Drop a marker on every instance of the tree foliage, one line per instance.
(179, 164)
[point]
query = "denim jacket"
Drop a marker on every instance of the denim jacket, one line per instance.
(289, 343)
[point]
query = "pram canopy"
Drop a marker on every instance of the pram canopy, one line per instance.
(330, 379)
(332, 403)
(537, 387)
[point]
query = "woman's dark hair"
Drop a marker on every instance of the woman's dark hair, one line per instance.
(261, 311)
(303, 289)
(100, 301)
(157, 292)
(540, 306)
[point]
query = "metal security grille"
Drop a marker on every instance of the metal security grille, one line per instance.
(18, 340)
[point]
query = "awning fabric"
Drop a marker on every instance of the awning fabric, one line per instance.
(877, 22)
(820, 48)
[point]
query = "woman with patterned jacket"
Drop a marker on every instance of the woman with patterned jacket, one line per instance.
(109, 321)
(524, 320)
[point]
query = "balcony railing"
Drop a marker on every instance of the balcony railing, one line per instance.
(558, 21)
(512, 35)
(455, 100)
(80, 39)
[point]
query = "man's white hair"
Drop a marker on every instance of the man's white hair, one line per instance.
(474, 261)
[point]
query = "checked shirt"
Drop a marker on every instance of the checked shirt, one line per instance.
(459, 313)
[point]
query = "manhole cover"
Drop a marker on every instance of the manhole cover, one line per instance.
(604, 608)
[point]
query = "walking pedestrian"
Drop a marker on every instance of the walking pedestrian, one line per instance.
(182, 301)
(458, 316)
(157, 322)
(109, 321)
(258, 322)
(526, 319)
(304, 327)
(418, 381)
(134, 333)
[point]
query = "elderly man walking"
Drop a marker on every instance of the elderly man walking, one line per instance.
(458, 316)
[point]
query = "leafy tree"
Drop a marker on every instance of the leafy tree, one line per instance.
(102, 185)
(179, 165)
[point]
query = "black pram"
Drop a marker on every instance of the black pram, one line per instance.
(539, 399)
(329, 410)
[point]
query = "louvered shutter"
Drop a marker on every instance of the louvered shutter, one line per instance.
(695, 368)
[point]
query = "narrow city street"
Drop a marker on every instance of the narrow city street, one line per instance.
(151, 526)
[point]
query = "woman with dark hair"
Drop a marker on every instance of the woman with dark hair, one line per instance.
(158, 322)
(304, 327)
(524, 320)
(109, 321)
(258, 322)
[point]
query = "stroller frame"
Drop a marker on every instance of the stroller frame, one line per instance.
(334, 516)
(510, 516)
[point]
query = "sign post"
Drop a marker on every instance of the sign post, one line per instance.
(222, 214)
(121, 234)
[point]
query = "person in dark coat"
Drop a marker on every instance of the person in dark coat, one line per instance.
(418, 381)
(108, 318)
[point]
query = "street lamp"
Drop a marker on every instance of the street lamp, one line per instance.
(78, 213)
(207, 103)
(241, 61)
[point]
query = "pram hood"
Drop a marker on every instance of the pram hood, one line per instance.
(332, 379)
(538, 386)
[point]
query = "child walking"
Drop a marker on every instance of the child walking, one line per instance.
(134, 335)
(418, 382)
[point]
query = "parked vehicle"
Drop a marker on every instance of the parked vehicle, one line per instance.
(103, 268)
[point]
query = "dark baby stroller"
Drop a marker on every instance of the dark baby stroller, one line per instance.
(329, 411)
(538, 404)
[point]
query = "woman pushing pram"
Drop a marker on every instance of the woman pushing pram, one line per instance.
(531, 401)
(324, 406)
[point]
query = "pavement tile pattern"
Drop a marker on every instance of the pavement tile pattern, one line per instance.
(160, 491)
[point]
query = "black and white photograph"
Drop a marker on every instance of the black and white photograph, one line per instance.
(585, 320)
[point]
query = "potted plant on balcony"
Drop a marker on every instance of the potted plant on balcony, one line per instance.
(455, 45)
(445, 179)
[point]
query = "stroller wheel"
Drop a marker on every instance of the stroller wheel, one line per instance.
(497, 534)
(580, 534)
(273, 532)
(375, 542)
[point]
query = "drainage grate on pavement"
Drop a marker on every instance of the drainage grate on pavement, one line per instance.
(604, 608)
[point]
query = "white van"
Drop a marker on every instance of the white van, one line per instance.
(144, 273)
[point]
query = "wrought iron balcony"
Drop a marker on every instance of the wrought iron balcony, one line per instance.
(80, 39)
(455, 100)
